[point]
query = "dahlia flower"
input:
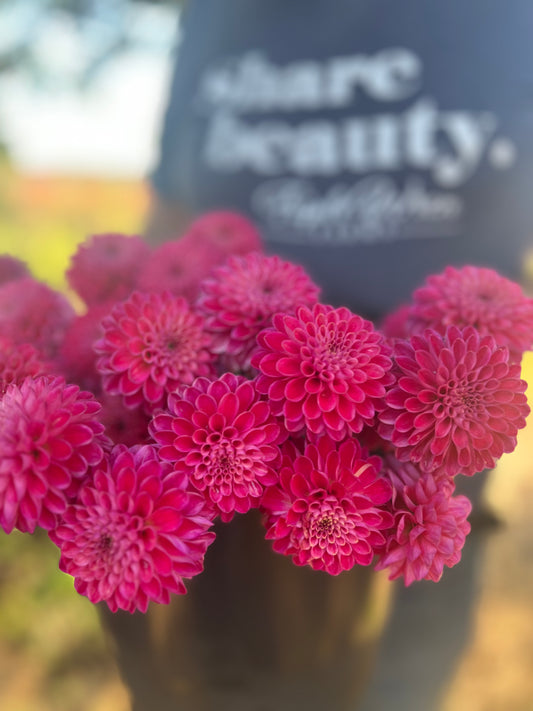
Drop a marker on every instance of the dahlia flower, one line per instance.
(402, 474)
(457, 404)
(31, 312)
(326, 510)
(134, 532)
(49, 437)
(12, 268)
(224, 233)
(223, 437)
(241, 297)
(429, 532)
(77, 357)
(323, 369)
(106, 267)
(479, 297)
(152, 343)
(18, 361)
(180, 265)
(177, 267)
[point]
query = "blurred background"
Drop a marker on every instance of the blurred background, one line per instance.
(82, 92)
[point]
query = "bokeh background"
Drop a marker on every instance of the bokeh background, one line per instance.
(82, 93)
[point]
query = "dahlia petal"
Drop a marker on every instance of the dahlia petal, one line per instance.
(327, 401)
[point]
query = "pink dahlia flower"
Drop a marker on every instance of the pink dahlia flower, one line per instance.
(12, 268)
(224, 438)
(31, 312)
(106, 267)
(430, 528)
(224, 233)
(77, 357)
(177, 267)
(17, 362)
(402, 474)
(49, 437)
(241, 296)
(323, 369)
(457, 404)
(479, 297)
(134, 532)
(152, 343)
(326, 510)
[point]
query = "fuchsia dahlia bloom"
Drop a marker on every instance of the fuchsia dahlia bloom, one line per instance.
(457, 404)
(17, 362)
(224, 438)
(178, 267)
(479, 297)
(429, 532)
(106, 267)
(241, 296)
(152, 343)
(49, 437)
(134, 532)
(77, 357)
(224, 233)
(326, 511)
(324, 369)
(31, 312)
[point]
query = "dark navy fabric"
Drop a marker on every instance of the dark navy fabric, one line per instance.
(373, 141)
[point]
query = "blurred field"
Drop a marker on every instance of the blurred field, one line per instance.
(42, 219)
(53, 655)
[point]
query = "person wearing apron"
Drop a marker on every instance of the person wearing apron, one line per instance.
(374, 142)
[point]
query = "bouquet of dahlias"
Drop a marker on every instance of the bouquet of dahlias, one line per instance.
(205, 378)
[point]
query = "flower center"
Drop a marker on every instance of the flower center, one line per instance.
(222, 466)
(105, 543)
(326, 523)
(460, 400)
(173, 343)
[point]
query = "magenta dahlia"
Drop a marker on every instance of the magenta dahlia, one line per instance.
(17, 362)
(77, 357)
(458, 402)
(178, 267)
(402, 474)
(241, 296)
(479, 297)
(12, 268)
(323, 369)
(224, 438)
(31, 312)
(106, 267)
(152, 343)
(326, 511)
(49, 437)
(224, 233)
(430, 528)
(134, 533)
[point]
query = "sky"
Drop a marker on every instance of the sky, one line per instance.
(110, 127)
